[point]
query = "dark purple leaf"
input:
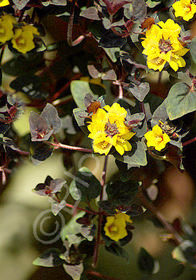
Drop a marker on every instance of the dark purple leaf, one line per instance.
(41, 189)
(135, 120)
(114, 6)
(109, 75)
(48, 180)
(40, 152)
(93, 71)
(44, 125)
(139, 9)
(111, 40)
(88, 99)
(90, 13)
(40, 130)
(50, 114)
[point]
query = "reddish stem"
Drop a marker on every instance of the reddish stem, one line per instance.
(189, 142)
(68, 147)
(58, 93)
(82, 209)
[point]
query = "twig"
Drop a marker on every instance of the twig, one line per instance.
(82, 209)
(189, 142)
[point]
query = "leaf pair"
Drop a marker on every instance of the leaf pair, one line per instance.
(44, 125)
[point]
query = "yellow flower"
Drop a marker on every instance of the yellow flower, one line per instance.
(162, 45)
(6, 28)
(23, 38)
(157, 138)
(107, 129)
(115, 226)
(4, 3)
(185, 9)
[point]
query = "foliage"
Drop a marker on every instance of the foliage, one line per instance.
(95, 97)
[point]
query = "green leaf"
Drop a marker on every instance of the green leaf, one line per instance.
(49, 258)
(117, 250)
(113, 53)
(180, 101)
(74, 271)
(87, 184)
(193, 49)
(145, 261)
(74, 191)
(137, 159)
(79, 89)
(72, 228)
(151, 4)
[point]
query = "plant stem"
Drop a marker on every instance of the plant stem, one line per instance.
(97, 274)
(97, 245)
(120, 93)
(61, 101)
(68, 147)
(160, 217)
(82, 209)
(189, 142)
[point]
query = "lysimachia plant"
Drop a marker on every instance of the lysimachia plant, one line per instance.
(95, 97)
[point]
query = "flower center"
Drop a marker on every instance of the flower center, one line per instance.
(165, 45)
(20, 41)
(113, 229)
(41, 133)
(159, 139)
(111, 129)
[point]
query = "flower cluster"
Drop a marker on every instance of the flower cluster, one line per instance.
(185, 9)
(4, 3)
(162, 45)
(21, 37)
(157, 138)
(115, 226)
(108, 129)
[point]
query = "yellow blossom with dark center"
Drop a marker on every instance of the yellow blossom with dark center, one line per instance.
(23, 38)
(185, 9)
(6, 28)
(108, 129)
(157, 138)
(4, 3)
(115, 226)
(162, 45)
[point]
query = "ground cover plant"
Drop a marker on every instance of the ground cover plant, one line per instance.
(117, 85)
